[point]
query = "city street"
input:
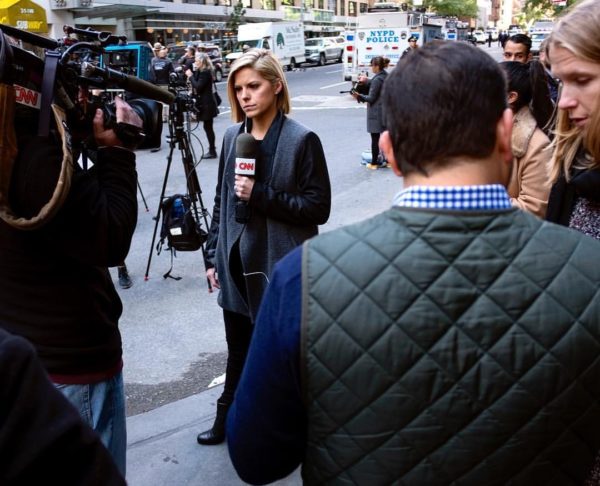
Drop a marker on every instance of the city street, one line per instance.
(173, 337)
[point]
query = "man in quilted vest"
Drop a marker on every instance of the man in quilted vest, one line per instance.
(452, 339)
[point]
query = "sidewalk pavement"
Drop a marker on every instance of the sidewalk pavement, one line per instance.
(162, 448)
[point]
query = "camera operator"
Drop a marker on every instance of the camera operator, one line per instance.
(55, 288)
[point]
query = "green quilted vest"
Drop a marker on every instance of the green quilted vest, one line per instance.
(451, 348)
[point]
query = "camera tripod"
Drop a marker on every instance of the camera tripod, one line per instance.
(179, 138)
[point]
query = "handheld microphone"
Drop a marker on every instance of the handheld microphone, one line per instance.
(246, 149)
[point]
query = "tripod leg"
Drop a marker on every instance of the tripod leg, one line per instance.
(142, 194)
(157, 217)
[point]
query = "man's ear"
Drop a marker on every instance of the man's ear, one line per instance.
(504, 136)
(386, 146)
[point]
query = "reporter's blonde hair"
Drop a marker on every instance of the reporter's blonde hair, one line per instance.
(268, 66)
(579, 32)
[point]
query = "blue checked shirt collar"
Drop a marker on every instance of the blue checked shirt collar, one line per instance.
(473, 198)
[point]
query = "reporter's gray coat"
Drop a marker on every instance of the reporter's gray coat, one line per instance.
(290, 198)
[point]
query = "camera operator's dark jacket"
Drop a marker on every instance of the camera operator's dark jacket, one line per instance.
(160, 68)
(291, 196)
(202, 82)
(55, 288)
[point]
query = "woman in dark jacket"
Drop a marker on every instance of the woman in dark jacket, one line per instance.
(574, 53)
(203, 87)
(258, 219)
(374, 109)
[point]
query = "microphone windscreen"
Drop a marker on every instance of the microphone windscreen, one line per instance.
(246, 146)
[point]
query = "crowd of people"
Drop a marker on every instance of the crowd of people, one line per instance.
(452, 338)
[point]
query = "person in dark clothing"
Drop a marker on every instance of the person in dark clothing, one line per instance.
(451, 339)
(375, 123)
(257, 220)
(187, 60)
(573, 53)
(412, 45)
(203, 84)
(42, 437)
(160, 66)
(489, 39)
(55, 288)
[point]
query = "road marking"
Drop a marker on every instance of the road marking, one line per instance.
(333, 85)
(333, 72)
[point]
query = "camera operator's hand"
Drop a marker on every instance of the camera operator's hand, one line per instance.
(189, 73)
(212, 276)
(362, 79)
(106, 137)
(243, 187)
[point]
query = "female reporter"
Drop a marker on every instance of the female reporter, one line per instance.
(279, 208)
(202, 80)
(574, 53)
(530, 102)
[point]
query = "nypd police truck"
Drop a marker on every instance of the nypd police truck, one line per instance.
(383, 31)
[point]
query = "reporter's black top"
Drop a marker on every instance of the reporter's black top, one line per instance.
(55, 288)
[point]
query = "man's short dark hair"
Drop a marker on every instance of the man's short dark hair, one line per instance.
(443, 101)
(521, 39)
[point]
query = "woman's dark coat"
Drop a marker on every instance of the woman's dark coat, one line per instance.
(202, 82)
(375, 122)
(290, 198)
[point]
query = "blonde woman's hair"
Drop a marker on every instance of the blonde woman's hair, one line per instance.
(267, 65)
(579, 32)
(204, 62)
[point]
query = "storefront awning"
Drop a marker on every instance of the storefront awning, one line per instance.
(23, 14)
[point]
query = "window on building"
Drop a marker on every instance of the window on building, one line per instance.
(268, 4)
(363, 7)
(331, 4)
(342, 7)
(352, 9)
(289, 3)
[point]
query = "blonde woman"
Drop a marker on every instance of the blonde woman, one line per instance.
(203, 87)
(283, 204)
(574, 52)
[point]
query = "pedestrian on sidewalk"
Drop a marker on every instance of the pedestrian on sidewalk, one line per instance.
(257, 220)
(203, 85)
(374, 109)
(574, 52)
(441, 341)
(529, 100)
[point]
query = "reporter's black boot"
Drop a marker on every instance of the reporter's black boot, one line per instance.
(216, 434)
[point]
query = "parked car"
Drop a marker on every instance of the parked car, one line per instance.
(321, 49)
(176, 52)
(480, 36)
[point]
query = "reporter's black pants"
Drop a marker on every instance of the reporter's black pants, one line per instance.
(238, 332)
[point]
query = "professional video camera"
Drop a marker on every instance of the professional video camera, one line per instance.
(53, 98)
(68, 69)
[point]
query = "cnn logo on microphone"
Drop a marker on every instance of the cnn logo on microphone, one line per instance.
(245, 167)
